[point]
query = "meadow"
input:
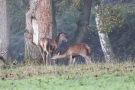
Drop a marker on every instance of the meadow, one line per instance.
(96, 76)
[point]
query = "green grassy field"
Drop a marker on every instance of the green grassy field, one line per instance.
(99, 76)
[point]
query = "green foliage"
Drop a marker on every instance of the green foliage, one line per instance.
(67, 20)
(112, 14)
(118, 18)
(26, 31)
(27, 7)
(96, 2)
(123, 36)
(112, 17)
(69, 5)
(118, 21)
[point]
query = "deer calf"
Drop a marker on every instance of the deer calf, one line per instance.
(75, 50)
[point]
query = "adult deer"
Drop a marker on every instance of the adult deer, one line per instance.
(75, 50)
(50, 46)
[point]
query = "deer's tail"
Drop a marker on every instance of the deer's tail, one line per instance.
(88, 49)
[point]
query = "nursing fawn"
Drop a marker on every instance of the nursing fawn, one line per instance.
(75, 50)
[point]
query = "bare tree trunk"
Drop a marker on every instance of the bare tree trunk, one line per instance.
(38, 25)
(83, 23)
(103, 36)
(4, 29)
(54, 27)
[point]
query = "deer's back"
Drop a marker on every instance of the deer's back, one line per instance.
(42, 41)
(80, 48)
(53, 44)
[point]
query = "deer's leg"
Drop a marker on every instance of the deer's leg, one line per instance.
(88, 59)
(49, 55)
(42, 53)
(74, 60)
(44, 57)
(70, 62)
(53, 61)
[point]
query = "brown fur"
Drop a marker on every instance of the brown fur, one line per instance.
(81, 49)
(49, 46)
(88, 49)
(53, 44)
(43, 46)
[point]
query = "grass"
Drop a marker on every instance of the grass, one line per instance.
(99, 76)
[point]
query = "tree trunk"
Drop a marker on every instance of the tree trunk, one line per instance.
(3, 61)
(4, 29)
(38, 25)
(54, 27)
(103, 36)
(83, 23)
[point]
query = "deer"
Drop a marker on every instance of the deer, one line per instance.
(80, 49)
(50, 46)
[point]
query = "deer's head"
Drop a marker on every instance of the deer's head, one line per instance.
(62, 37)
(55, 56)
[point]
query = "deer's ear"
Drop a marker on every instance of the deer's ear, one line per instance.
(58, 53)
(57, 33)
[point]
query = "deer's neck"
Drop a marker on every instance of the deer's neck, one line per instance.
(62, 55)
(58, 41)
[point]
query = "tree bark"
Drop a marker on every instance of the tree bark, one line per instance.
(54, 27)
(38, 25)
(4, 61)
(4, 29)
(103, 36)
(83, 23)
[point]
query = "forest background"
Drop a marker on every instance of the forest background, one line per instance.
(121, 35)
